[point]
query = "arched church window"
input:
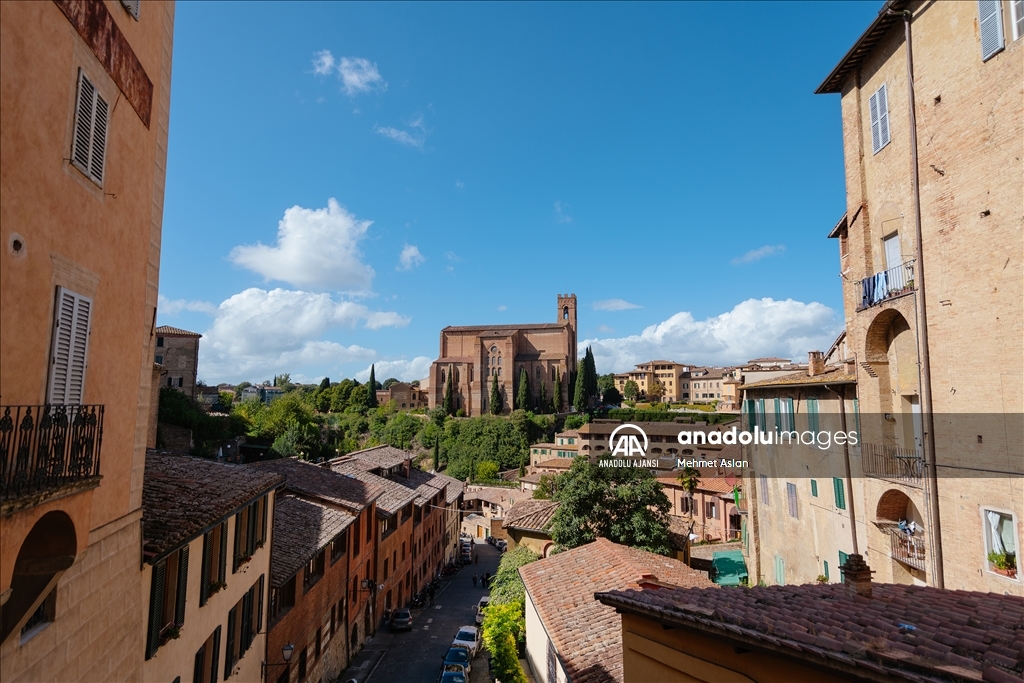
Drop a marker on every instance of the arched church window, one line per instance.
(499, 360)
(442, 377)
(565, 313)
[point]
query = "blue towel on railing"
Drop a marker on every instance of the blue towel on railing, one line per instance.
(881, 287)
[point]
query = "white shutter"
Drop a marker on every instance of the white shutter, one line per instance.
(873, 108)
(132, 6)
(990, 21)
(1017, 18)
(70, 347)
(883, 116)
(88, 149)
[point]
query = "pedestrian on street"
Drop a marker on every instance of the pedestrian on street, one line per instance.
(476, 559)
(487, 579)
(474, 579)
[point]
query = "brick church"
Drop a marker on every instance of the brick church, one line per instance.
(472, 354)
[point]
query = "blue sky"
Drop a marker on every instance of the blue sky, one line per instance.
(344, 180)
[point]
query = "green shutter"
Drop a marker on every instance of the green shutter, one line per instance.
(842, 562)
(778, 415)
(812, 415)
(856, 417)
(826, 569)
(837, 485)
(814, 488)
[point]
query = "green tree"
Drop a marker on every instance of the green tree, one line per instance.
(487, 471)
(437, 454)
(655, 391)
(238, 389)
(689, 478)
(495, 403)
(503, 627)
(449, 398)
(556, 397)
(507, 586)
(325, 383)
(611, 397)
(388, 382)
(371, 392)
(357, 398)
(546, 487)
(589, 374)
(605, 382)
(631, 390)
(623, 504)
(542, 400)
(523, 396)
(579, 400)
(576, 420)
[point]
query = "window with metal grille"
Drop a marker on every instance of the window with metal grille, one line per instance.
(89, 145)
(791, 500)
(70, 348)
(990, 23)
(878, 105)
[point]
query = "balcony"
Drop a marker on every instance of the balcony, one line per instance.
(887, 284)
(47, 447)
(903, 465)
(907, 548)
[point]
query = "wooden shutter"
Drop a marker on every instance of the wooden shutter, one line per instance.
(72, 318)
(264, 504)
(259, 605)
(990, 21)
(237, 544)
(200, 665)
(878, 105)
(229, 651)
(250, 539)
(222, 573)
(179, 608)
(840, 493)
(216, 655)
(204, 579)
(245, 638)
(88, 147)
(156, 608)
(133, 7)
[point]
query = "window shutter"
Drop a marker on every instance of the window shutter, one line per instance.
(99, 140)
(837, 485)
(133, 7)
(179, 609)
(265, 503)
(216, 655)
(990, 21)
(246, 636)
(156, 608)
(814, 488)
(88, 148)
(876, 141)
(259, 606)
(230, 649)
(204, 582)
(791, 499)
(222, 573)
(198, 668)
(70, 347)
(237, 544)
(883, 116)
(778, 414)
(250, 539)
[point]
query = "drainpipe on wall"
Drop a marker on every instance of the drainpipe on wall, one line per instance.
(931, 482)
(841, 394)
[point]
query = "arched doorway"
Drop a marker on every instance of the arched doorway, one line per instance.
(47, 551)
(898, 517)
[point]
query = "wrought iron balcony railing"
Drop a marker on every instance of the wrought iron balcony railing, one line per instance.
(887, 284)
(894, 463)
(907, 548)
(45, 447)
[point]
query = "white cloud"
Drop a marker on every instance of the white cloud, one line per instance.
(323, 63)
(175, 306)
(410, 257)
(459, 184)
(360, 75)
(604, 329)
(452, 256)
(405, 370)
(757, 254)
(561, 215)
(316, 248)
(503, 307)
(259, 332)
(752, 329)
(614, 305)
(416, 137)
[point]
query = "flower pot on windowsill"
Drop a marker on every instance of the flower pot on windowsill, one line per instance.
(1009, 573)
(216, 587)
(170, 632)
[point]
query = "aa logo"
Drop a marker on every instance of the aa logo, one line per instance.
(627, 444)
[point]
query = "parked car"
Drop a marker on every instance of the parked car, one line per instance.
(454, 673)
(501, 545)
(484, 601)
(467, 556)
(469, 638)
(461, 656)
(401, 620)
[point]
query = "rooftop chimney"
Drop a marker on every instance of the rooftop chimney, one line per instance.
(857, 575)
(815, 363)
(850, 366)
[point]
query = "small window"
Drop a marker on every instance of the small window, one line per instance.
(1000, 542)
(313, 572)
(181, 381)
(840, 493)
(339, 546)
(711, 510)
(791, 500)
(70, 348)
(780, 571)
(282, 599)
(302, 665)
(814, 488)
(88, 149)
(812, 415)
(842, 560)
(990, 21)
(160, 360)
(215, 551)
(824, 565)
(1017, 18)
(160, 341)
(167, 599)
(250, 531)
(764, 489)
(878, 105)
(43, 615)
(205, 668)
(245, 620)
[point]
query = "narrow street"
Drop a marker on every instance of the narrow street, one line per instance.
(415, 656)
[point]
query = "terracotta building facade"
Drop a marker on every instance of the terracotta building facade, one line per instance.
(80, 228)
(470, 356)
(177, 351)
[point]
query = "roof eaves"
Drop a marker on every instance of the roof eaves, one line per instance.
(833, 83)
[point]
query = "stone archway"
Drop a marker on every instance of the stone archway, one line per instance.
(47, 551)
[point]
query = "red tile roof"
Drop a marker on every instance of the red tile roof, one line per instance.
(394, 496)
(586, 634)
(831, 375)
(557, 463)
(301, 528)
(532, 515)
(382, 456)
(168, 331)
(182, 496)
(320, 482)
(911, 633)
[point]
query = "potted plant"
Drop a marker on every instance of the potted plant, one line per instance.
(171, 632)
(217, 586)
(1003, 563)
(822, 579)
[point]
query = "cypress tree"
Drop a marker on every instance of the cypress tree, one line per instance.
(495, 396)
(580, 397)
(371, 390)
(556, 400)
(590, 373)
(542, 401)
(449, 399)
(523, 396)
(325, 383)
(437, 454)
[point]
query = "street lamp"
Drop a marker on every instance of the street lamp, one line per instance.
(286, 654)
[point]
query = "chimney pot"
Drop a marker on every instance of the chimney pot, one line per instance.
(857, 575)
(815, 363)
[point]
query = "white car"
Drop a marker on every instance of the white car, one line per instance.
(484, 601)
(468, 637)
